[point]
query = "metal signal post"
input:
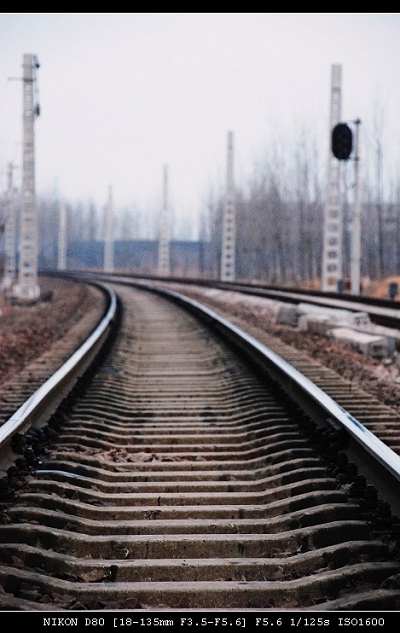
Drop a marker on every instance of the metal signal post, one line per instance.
(356, 224)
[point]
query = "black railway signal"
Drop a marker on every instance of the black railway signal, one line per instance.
(342, 141)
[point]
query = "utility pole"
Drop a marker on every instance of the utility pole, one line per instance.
(356, 224)
(333, 217)
(163, 241)
(109, 235)
(28, 288)
(62, 237)
(229, 221)
(10, 264)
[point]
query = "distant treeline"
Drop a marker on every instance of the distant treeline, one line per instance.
(279, 223)
(275, 243)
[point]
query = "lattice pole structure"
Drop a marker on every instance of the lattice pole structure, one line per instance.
(109, 235)
(10, 235)
(163, 240)
(229, 221)
(333, 218)
(28, 288)
(62, 237)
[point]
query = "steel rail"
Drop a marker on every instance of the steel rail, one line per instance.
(48, 395)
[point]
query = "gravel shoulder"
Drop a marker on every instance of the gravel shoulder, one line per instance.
(257, 316)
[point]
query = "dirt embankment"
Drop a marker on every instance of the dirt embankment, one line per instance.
(27, 331)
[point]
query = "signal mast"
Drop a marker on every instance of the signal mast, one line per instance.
(342, 148)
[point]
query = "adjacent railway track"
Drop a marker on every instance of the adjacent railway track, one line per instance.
(196, 470)
(382, 311)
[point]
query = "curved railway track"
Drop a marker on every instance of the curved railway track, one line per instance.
(183, 476)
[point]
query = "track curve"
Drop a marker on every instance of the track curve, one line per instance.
(179, 480)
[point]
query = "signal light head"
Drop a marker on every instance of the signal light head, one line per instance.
(342, 141)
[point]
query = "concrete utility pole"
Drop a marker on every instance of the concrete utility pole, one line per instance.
(62, 237)
(229, 221)
(10, 264)
(28, 288)
(163, 241)
(333, 218)
(109, 235)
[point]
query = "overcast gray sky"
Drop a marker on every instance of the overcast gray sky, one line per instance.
(122, 95)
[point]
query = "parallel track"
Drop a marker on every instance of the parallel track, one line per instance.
(179, 479)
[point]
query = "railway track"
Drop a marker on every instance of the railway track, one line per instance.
(382, 420)
(183, 476)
